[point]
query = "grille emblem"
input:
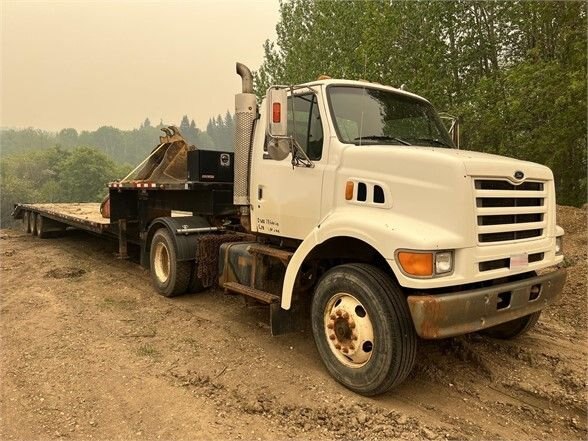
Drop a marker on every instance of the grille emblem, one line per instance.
(519, 175)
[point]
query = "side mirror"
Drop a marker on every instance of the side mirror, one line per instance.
(453, 129)
(278, 144)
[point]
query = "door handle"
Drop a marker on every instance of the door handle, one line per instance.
(259, 193)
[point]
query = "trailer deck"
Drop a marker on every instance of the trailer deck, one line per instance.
(85, 216)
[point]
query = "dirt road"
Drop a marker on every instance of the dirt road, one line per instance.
(88, 350)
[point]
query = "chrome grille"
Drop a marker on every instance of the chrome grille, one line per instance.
(508, 212)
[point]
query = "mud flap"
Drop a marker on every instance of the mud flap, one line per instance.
(284, 321)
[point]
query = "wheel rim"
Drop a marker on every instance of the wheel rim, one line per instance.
(349, 330)
(162, 263)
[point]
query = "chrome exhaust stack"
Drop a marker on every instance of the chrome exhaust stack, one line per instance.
(245, 114)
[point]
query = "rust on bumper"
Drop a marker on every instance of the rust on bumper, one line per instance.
(448, 315)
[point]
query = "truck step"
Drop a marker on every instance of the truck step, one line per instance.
(283, 255)
(261, 296)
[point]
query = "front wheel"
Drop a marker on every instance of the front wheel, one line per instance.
(170, 277)
(363, 329)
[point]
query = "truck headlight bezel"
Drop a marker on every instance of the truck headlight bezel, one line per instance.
(425, 264)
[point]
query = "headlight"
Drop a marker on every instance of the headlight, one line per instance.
(443, 262)
(425, 264)
(559, 245)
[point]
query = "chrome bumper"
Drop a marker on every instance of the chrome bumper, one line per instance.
(448, 315)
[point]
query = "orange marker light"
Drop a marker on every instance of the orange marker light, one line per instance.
(349, 191)
(416, 264)
(276, 112)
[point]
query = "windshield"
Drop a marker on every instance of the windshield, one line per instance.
(364, 115)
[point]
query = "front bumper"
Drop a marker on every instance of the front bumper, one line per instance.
(448, 315)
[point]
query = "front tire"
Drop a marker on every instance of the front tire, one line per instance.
(514, 328)
(170, 277)
(363, 329)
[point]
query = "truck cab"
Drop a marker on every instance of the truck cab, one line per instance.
(365, 185)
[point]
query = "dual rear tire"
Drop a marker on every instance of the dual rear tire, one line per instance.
(169, 276)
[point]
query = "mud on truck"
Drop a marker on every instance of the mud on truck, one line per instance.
(345, 204)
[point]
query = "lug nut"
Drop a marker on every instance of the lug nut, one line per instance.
(345, 315)
(330, 325)
(345, 350)
(332, 316)
(352, 347)
(351, 324)
(332, 337)
(354, 337)
(337, 346)
(338, 312)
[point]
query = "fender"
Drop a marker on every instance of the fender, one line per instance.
(185, 244)
(382, 230)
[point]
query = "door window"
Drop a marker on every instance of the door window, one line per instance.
(304, 124)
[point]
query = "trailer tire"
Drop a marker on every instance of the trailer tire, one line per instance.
(363, 329)
(26, 227)
(33, 223)
(514, 328)
(170, 277)
(39, 227)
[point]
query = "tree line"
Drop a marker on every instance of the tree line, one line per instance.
(513, 72)
(122, 146)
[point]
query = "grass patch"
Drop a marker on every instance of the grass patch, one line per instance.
(118, 303)
(147, 350)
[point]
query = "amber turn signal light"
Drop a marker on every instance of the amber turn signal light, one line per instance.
(349, 191)
(416, 264)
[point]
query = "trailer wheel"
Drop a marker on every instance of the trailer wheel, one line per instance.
(39, 227)
(363, 329)
(170, 277)
(26, 227)
(32, 223)
(514, 328)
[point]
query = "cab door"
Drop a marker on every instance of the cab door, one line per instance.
(286, 197)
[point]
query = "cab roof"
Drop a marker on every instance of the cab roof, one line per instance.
(359, 83)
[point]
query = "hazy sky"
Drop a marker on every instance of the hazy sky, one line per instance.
(85, 64)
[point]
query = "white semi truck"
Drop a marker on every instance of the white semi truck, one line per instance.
(351, 209)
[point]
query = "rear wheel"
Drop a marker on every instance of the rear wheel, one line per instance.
(514, 328)
(362, 328)
(26, 227)
(39, 226)
(32, 223)
(170, 277)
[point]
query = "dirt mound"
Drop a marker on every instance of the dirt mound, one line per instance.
(572, 308)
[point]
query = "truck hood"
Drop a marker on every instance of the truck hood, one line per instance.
(428, 186)
(484, 164)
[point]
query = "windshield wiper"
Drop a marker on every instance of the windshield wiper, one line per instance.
(435, 141)
(382, 138)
